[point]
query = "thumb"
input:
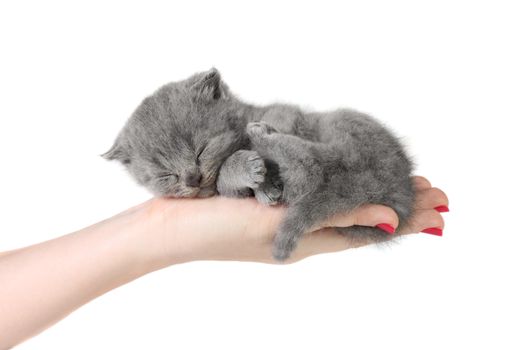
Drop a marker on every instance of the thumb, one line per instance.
(365, 215)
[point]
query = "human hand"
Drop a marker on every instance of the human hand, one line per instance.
(218, 228)
(159, 233)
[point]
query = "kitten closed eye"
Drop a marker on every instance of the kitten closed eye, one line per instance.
(173, 177)
(199, 154)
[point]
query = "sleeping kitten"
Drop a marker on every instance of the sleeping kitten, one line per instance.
(193, 138)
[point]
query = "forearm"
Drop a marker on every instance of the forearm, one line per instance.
(43, 283)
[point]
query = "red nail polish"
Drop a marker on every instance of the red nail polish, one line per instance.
(387, 228)
(442, 208)
(436, 231)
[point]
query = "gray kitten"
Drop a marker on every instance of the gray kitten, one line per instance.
(194, 138)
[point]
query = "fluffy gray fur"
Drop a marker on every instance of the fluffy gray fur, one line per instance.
(193, 138)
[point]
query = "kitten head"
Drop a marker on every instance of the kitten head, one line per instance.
(177, 138)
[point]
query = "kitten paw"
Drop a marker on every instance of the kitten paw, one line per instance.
(282, 250)
(259, 129)
(207, 192)
(255, 169)
(268, 194)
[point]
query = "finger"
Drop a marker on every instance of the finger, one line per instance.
(423, 219)
(365, 215)
(420, 183)
(431, 198)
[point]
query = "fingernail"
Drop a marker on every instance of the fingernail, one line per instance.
(436, 231)
(387, 228)
(442, 208)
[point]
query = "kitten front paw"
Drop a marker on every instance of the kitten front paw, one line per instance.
(259, 129)
(271, 191)
(255, 169)
(268, 194)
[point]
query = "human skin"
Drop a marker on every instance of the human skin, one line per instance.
(43, 283)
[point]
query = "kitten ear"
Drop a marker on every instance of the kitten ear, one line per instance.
(116, 152)
(209, 86)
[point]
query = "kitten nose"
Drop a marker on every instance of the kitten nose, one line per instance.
(193, 179)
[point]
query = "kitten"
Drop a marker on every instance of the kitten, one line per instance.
(193, 138)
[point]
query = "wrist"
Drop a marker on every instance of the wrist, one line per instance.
(153, 235)
(130, 234)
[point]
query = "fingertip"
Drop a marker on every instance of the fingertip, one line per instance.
(387, 228)
(442, 209)
(423, 219)
(431, 198)
(421, 183)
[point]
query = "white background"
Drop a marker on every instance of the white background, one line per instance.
(448, 77)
